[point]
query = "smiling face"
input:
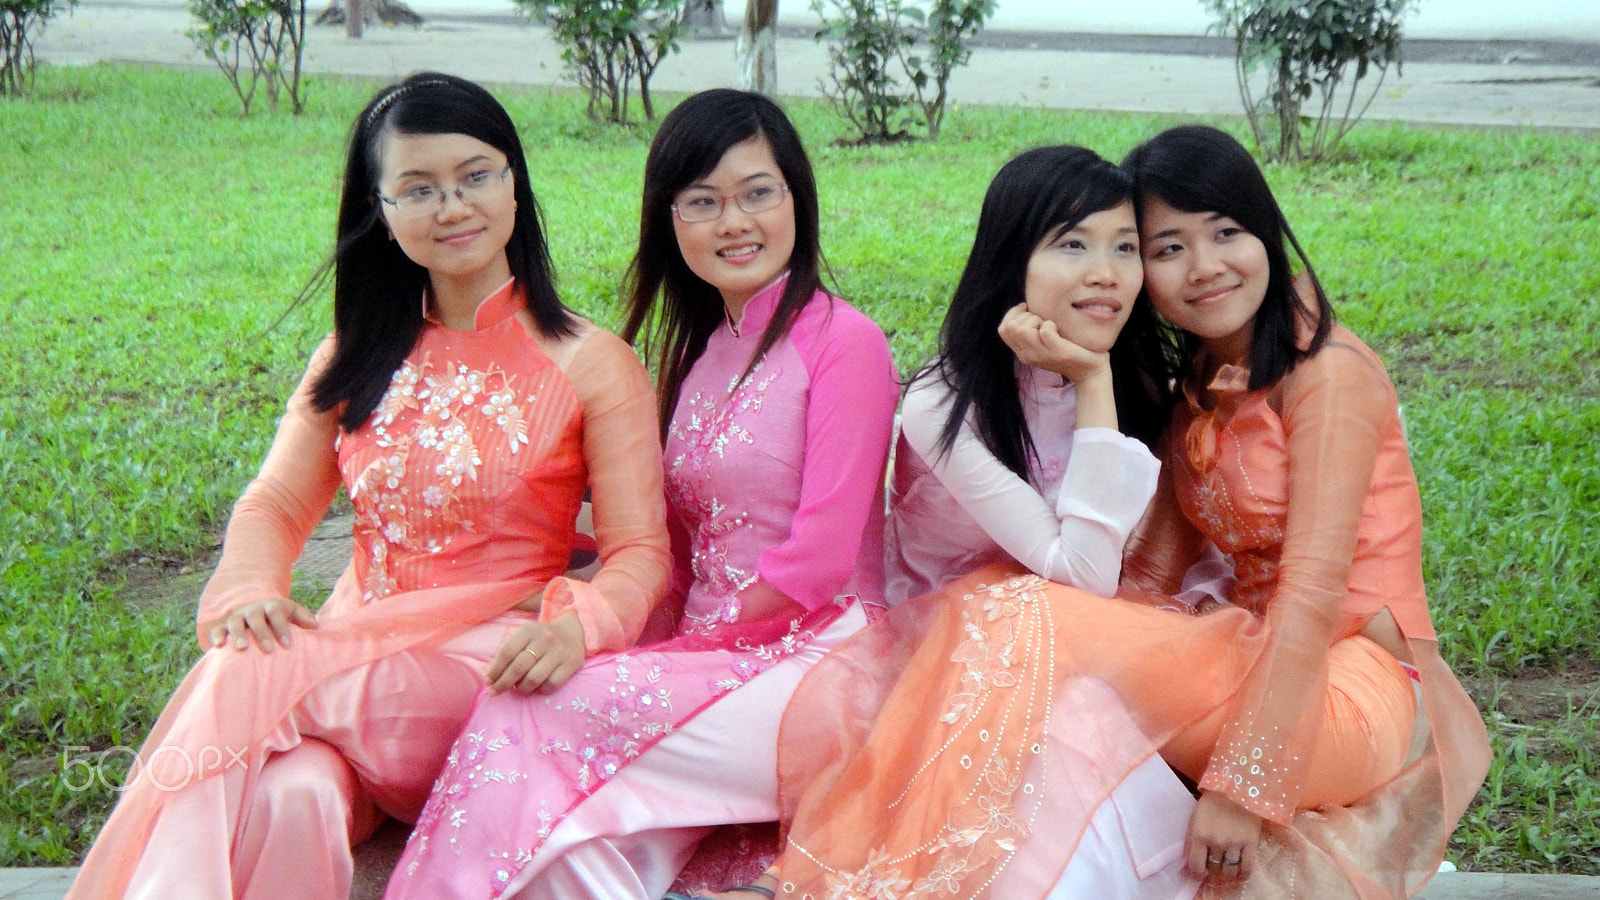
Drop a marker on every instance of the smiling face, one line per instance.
(1085, 279)
(1206, 275)
(462, 243)
(738, 253)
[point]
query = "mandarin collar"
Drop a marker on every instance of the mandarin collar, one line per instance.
(1042, 384)
(1230, 385)
(1230, 380)
(758, 309)
(500, 305)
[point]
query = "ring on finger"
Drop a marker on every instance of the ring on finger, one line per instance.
(531, 652)
(1213, 861)
(1232, 860)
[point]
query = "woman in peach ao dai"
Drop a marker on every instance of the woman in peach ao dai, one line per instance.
(464, 409)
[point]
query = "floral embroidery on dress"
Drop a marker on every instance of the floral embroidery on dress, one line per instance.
(466, 769)
(637, 709)
(1252, 540)
(608, 715)
(421, 489)
(1209, 496)
(987, 656)
(710, 427)
(1005, 626)
(877, 880)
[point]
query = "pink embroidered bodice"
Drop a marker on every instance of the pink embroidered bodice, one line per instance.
(771, 477)
(1067, 522)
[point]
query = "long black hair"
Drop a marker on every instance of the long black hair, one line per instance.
(377, 289)
(689, 145)
(1199, 169)
(1039, 194)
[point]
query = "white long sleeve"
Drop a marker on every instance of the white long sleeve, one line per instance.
(1070, 523)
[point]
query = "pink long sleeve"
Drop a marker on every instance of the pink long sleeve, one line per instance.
(849, 417)
(279, 509)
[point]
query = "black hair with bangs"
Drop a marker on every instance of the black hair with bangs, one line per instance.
(1034, 198)
(377, 289)
(690, 143)
(1200, 169)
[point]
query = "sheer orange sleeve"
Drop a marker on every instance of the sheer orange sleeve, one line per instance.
(622, 449)
(279, 509)
(1165, 543)
(1335, 408)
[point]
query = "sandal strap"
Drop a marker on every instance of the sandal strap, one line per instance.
(755, 889)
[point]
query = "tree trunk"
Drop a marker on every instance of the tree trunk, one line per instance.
(705, 18)
(757, 49)
(389, 12)
(354, 19)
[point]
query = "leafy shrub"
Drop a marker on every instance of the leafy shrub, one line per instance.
(254, 43)
(20, 22)
(608, 43)
(1313, 52)
(890, 61)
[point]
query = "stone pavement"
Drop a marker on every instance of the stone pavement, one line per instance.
(51, 884)
(1560, 88)
(1556, 85)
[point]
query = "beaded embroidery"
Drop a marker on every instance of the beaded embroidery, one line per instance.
(422, 488)
(706, 433)
(466, 769)
(1006, 627)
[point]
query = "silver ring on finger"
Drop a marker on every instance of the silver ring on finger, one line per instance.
(1232, 860)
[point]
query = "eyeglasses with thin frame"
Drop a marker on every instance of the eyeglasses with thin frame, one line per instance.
(427, 200)
(703, 206)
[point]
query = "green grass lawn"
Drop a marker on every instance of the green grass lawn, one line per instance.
(153, 238)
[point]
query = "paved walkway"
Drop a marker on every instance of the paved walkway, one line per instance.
(1132, 74)
(1481, 84)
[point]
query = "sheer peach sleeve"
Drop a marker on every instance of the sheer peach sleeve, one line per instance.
(1336, 406)
(279, 509)
(622, 449)
(1165, 543)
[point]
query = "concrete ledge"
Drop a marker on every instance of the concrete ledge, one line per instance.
(374, 857)
(1494, 886)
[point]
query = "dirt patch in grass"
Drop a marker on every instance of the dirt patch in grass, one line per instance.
(150, 582)
(1539, 696)
(156, 581)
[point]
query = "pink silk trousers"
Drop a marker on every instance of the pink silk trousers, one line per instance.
(366, 742)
